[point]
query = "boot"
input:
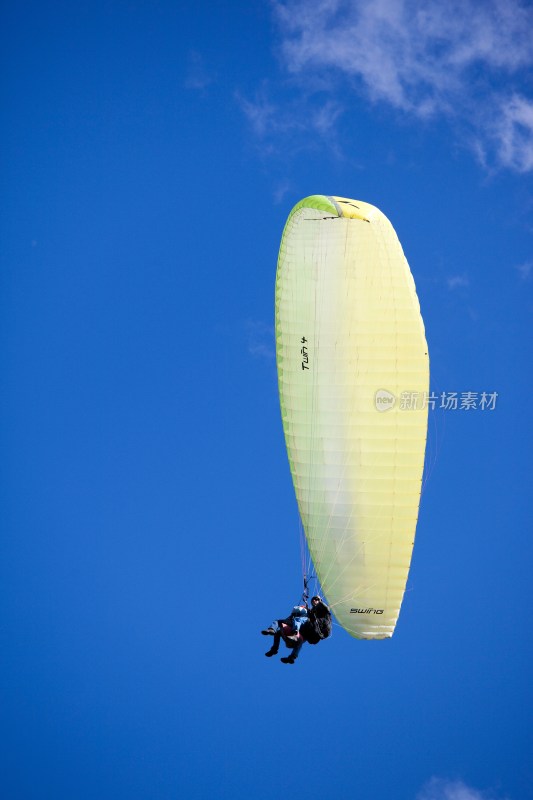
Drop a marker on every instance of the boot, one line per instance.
(268, 632)
(288, 660)
(271, 652)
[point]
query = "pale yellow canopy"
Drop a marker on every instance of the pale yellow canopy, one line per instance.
(353, 372)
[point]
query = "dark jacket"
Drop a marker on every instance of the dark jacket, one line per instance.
(319, 624)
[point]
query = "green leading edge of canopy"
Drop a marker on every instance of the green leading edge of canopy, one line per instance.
(336, 206)
(318, 201)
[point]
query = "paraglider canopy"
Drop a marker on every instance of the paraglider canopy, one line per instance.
(350, 347)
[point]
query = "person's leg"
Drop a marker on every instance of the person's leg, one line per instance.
(272, 628)
(296, 649)
(275, 644)
(294, 655)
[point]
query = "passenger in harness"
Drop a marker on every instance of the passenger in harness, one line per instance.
(302, 625)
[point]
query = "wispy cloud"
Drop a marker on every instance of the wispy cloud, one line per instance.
(261, 342)
(282, 189)
(424, 58)
(269, 118)
(525, 269)
(457, 282)
(512, 133)
(197, 76)
(265, 116)
(441, 789)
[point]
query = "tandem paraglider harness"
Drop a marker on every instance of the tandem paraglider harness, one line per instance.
(318, 625)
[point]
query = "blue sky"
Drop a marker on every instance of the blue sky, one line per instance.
(151, 154)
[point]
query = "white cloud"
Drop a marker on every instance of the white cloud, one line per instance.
(457, 282)
(263, 116)
(282, 189)
(323, 119)
(513, 133)
(268, 118)
(525, 269)
(197, 77)
(441, 789)
(424, 58)
(261, 343)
